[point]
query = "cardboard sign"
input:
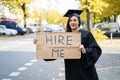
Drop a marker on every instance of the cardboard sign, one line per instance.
(57, 45)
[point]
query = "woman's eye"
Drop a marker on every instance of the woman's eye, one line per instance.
(74, 20)
(70, 20)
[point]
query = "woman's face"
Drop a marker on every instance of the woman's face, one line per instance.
(74, 23)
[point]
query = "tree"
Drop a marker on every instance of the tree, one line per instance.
(38, 14)
(22, 4)
(55, 18)
(18, 5)
(92, 6)
(112, 9)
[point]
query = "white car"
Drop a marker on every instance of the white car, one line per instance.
(32, 29)
(56, 28)
(5, 31)
(110, 29)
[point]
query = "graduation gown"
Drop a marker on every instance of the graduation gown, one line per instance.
(84, 68)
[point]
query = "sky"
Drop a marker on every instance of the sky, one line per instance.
(60, 5)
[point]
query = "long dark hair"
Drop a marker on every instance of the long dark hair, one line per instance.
(68, 29)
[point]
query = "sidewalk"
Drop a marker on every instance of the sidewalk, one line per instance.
(108, 66)
(110, 46)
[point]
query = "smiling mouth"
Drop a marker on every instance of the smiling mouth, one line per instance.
(73, 26)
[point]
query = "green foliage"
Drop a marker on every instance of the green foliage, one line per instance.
(99, 35)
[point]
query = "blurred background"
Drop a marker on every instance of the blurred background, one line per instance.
(20, 20)
(47, 15)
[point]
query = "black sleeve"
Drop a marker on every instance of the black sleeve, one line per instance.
(93, 52)
(49, 59)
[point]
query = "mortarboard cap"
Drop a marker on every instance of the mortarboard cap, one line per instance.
(72, 12)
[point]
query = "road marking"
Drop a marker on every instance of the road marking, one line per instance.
(107, 68)
(6, 79)
(14, 74)
(28, 64)
(33, 60)
(22, 68)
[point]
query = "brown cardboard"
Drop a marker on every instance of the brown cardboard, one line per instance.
(58, 45)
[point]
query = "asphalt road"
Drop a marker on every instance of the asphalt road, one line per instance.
(108, 66)
(18, 61)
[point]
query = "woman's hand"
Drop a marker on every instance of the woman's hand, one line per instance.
(82, 48)
(35, 40)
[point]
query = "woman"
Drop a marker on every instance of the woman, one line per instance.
(84, 68)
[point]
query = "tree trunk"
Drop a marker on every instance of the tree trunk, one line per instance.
(109, 20)
(24, 12)
(115, 18)
(94, 19)
(89, 20)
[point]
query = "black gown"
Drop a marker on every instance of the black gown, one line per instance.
(84, 68)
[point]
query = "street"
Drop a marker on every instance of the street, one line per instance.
(18, 62)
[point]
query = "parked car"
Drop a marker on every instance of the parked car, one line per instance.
(113, 34)
(110, 29)
(14, 25)
(32, 29)
(47, 29)
(5, 31)
(52, 28)
(56, 28)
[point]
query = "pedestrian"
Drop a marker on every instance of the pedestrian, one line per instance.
(83, 68)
